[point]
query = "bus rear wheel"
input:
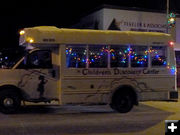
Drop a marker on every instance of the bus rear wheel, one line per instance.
(122, 102)
(9, 102)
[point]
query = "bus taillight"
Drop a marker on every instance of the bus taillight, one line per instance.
(171, 44)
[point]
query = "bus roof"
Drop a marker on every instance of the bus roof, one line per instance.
(53, 35)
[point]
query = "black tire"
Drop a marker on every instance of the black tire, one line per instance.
(9, 101)
(122, 102)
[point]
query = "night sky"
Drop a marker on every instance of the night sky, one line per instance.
(14, 16)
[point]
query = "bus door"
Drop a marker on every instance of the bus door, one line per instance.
(39, 75)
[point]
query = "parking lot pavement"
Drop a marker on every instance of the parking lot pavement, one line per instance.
(81, 120)
(159, 129)
(146, 119)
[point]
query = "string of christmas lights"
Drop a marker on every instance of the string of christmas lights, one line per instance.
(98, 56)
(119, 56)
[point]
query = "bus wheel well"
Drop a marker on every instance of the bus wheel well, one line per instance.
(13, 89)
(126, 89)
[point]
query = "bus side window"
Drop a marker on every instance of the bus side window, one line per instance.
(119, 55)
(36, 60)
(139, 56)
(76, 56)
(98, 56)
(158, 56)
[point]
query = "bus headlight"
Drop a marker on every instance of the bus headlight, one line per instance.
(22, 32)
(30, 40)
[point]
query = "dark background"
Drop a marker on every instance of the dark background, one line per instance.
(15, 15)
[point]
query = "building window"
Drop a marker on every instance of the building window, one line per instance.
(76, 56)
(98, 56)
(139, 56)
(158, 56)
(119, 56)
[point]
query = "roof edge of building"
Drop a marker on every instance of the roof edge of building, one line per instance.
(126, 8)
(108, 6)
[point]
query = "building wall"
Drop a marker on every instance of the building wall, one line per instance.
(126, 20)
(135, 20)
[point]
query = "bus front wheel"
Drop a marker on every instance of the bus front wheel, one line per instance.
(122, 102)
(9, 101)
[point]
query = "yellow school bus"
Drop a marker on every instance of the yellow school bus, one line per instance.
(74, 66)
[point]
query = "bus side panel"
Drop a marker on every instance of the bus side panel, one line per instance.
(99, 90)
(81, 90)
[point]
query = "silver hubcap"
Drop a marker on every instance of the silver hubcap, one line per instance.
(8, 102)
